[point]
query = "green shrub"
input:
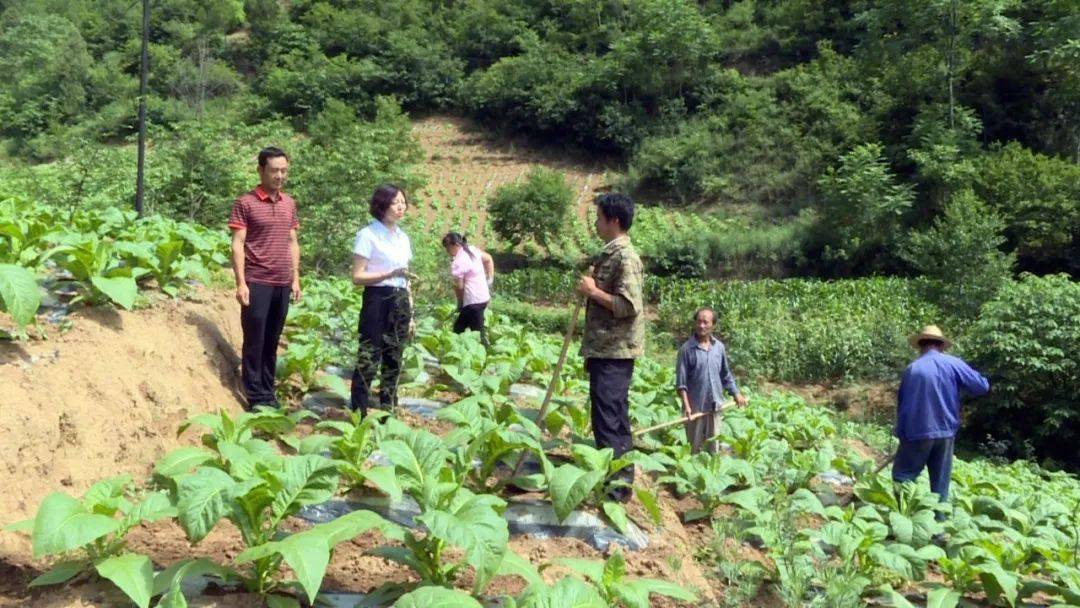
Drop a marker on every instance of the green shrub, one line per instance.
(862, 202)
(533, 210)
(548, 320)
(683, 256)
(1039, 199)
(333, 178)
(1027, 342)
(961, 255)
(46, 63)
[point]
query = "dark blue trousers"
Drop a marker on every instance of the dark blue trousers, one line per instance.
(933, 454)
(609, 393)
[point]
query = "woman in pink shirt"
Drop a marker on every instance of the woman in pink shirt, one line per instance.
(473, 271)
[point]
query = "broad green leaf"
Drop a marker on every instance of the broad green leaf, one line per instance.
(19, 293)
(419, 455)
(307, 553)
(23, 525)
(121, 290)
(942, 597)
(105, 496)
(515, 565)
(648, 499)
(154, 506)
(636, 592)
(617, 514)
(63, 524)
(614, 570)
(241, 462)
(998, 584)
(569, 486)
(535, 482)
(806, 501)
(351, 525)
(334, 384)
(203, 500)
(432, 596)
(182, 460)
(696, 514)
(749, 499)
(305, 480)
(902, 528)
(60, 573)
(176, 573)
(891, 561)
(314, 444)
(569, 592)
(895, 599)
(133, 574)
(590, 458)
(478, 529)
(589, 568)
(385, 480)
(308, 556)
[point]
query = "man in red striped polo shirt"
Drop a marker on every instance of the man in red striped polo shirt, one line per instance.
(266, 260)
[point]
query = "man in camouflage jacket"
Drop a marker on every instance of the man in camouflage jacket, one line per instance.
(614, 328)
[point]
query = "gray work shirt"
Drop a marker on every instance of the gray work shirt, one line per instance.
(703, 374)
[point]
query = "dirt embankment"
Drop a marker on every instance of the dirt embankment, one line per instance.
(105, 397)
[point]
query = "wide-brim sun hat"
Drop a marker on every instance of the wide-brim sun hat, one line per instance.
(930, 332)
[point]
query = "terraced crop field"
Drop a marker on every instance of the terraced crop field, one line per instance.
(466, 165)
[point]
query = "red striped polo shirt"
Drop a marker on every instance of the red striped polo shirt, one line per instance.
(267, 259)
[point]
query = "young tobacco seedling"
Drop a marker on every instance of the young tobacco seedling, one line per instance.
(256, 489)
(89, 534)
(616, 589)
(588, 479)
(709, 477)
(452, 515)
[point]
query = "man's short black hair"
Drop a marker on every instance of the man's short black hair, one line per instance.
(697, 313)
(270, 152)
(617, 206)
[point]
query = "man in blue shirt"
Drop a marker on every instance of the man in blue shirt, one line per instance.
(928, 410)
(702, 372)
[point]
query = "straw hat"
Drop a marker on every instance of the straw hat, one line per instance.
(930, 332)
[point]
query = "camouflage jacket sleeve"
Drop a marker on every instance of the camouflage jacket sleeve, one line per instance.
(628, 286)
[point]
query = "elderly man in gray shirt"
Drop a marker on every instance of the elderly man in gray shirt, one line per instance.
(702, 371)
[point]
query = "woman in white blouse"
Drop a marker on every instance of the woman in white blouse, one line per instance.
(381, 255)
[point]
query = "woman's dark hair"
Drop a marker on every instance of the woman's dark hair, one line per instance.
(384, 197)
(617, 206)
(270, 152)
(454, 238)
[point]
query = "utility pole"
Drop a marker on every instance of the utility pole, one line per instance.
(144, 68)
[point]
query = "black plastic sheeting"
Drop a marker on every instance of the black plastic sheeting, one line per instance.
(533, 517)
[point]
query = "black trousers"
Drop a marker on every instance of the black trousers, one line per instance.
(262, 321)
(472, 317)
(609, 392)
(384, 329)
